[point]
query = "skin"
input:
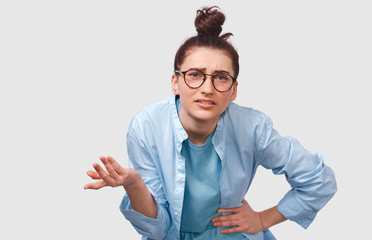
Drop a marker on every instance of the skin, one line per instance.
(199, 114)
(198, 120)
(115, 175)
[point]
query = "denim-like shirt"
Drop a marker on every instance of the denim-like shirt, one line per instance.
(244, 139)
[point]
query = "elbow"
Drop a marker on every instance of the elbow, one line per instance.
(153, 228)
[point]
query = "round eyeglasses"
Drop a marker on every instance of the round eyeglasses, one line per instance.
(222, 82)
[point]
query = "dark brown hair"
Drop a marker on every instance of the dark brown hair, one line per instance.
(208, 23)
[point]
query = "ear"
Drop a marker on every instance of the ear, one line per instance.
(175, 89)
(235, 91)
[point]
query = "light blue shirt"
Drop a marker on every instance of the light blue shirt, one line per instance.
(202, 193)
(244, 139)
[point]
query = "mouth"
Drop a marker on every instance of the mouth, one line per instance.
(206, 101)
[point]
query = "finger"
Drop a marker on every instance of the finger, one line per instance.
(245, 202)
(102, 173)
(232, 230)
(108, 166)
(96, 185)
(93, 174)
(115, 164)
(108, 178)
(224, 218)
(229, 223)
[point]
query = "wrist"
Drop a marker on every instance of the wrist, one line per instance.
(133, 181)
(263, 224)
(270, 217)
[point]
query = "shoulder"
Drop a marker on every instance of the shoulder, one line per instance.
(154, 114)
(162, 105)
(237, 113)
(245, 123)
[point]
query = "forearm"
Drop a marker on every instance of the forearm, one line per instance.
(141, 199)
(148, 216)
(271, 217)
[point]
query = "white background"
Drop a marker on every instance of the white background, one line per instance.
(73, 74)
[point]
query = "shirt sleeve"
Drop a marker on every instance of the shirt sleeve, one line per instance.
(141, 160)
(313, 183)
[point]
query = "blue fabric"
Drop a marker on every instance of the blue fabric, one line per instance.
(202, 195)
(212, 233)
(244, 139)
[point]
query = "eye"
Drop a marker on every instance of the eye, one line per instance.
(222, 77)
(194, 75)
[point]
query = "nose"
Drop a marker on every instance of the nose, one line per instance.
(207, 87)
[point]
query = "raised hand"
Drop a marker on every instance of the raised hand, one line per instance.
(114, 175)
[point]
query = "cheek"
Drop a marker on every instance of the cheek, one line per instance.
(184, 97)
(226, 98)
(184, 90)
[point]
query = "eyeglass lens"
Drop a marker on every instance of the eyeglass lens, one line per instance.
(221, 81)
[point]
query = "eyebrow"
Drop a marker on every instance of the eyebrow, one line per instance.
(203, 70)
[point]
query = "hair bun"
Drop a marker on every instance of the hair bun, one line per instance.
(209, 21)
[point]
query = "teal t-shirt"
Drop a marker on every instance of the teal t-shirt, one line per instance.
(202, 195)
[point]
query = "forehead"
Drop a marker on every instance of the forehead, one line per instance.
(210, 59)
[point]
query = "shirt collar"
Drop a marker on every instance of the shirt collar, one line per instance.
(181, 134)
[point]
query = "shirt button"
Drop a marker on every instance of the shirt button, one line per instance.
(176, 213)
(178, 145)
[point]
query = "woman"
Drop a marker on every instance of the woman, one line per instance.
(194, 154)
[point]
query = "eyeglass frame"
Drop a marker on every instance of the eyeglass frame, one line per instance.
(205, 77)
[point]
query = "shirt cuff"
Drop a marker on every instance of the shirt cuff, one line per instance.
(290, 208)
(154, 228)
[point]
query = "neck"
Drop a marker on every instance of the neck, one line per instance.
(198, 130)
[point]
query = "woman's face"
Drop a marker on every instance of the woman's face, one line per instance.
(204, 103)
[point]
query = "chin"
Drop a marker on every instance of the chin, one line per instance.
(206, 116)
